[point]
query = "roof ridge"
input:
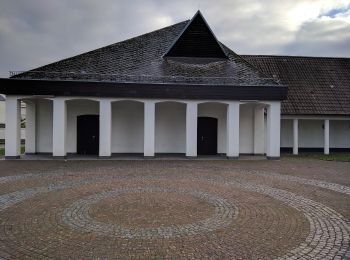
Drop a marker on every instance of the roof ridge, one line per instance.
(291, 56)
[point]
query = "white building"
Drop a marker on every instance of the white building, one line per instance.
(2, 120)
(177, 91)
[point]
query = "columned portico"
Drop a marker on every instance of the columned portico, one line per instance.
(149, 129)
(105, 128)
(66, 111)
(191, 129)
(30, 135)
(232, 130)
(13, 128)
(273, 130)
(59, 144)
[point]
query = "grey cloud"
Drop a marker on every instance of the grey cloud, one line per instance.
(36, 32)
(321, 38)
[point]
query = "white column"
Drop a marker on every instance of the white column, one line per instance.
(191, 129)
(105, 128)
(30, 127)
(232, 149)
(59, 127)
(326, 136)
(273, 130)
(149, 128)
(259, 130)
(295, 136)
(12, 128)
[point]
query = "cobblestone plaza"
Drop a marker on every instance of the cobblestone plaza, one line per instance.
(286, 209)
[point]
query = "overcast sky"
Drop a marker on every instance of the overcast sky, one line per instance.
(37, 32)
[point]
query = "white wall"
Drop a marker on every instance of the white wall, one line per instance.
(218, 111)
(311, 133)
(170, 129)
(127, 127)
(2, 112)
(76, 108)
(339, 134)
(246, 129)
(44, 126)
(287, 133)
(2, 120)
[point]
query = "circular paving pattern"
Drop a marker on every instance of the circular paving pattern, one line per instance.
(110, 215)
(77, 216)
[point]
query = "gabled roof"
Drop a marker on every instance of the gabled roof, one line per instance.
(140, 60)
(196, 40)
(316, 85)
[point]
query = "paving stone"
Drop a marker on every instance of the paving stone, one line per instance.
(168, 210)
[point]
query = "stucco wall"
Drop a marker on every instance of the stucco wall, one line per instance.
(246, 129)
(339, 134)
(44, 126)
(170, 127)
(311, 133)
(127, 127)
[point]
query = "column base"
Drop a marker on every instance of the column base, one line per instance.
(12, 157)
(59, 157)
(232, 157)
(148, 157)
(105, 157)
(191, 157)
(273, 157)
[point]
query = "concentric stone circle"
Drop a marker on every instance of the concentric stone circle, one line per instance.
(329, 231)
(77, 216)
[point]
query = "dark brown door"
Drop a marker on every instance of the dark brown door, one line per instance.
(88, 134)
(207, 136)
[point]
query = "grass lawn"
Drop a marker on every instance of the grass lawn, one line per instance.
(343, 157)
(2, 151)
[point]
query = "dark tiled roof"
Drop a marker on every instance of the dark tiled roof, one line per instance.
(140, 60)
(2, 98)
(316, 86)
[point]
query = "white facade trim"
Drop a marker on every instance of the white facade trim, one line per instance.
(321, 117)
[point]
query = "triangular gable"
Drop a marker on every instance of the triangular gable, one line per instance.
(196, 40)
